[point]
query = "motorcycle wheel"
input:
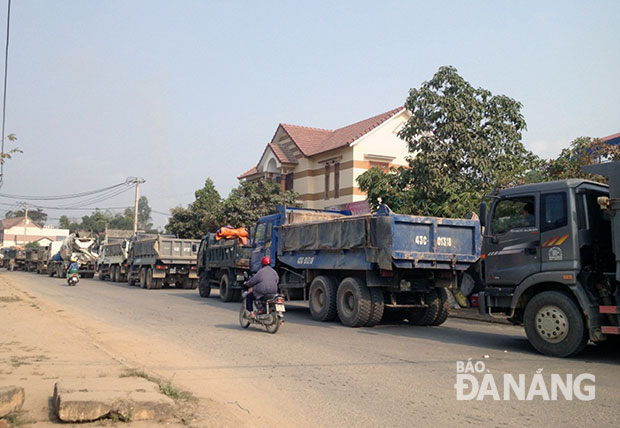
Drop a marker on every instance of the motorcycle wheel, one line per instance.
(274, 325)
(244, 322)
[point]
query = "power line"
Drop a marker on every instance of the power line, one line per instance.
(68, 196)
(161, 213)
(6, 68)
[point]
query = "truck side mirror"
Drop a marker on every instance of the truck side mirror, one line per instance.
(483, 214)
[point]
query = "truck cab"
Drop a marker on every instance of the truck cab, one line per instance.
(547, 262)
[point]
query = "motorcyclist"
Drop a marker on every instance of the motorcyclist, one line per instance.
(264, 282)
(73, 267)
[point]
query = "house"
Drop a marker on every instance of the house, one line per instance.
(613, 139)
(20, 231)
(322, 165)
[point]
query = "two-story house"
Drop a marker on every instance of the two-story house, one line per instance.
(322, 165)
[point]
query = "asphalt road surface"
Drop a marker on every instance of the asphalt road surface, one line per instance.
(325, 374)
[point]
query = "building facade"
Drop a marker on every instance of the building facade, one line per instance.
(322, 165)
(20, 231)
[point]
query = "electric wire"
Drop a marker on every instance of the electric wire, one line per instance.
(68, 196)
(98, 198)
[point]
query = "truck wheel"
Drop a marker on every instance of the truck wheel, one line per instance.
(59, 271)
(148, 279)
(444, 306)
(204, 288)
(554, 324)
(158, 283)
(353, 302)
(101, 275)
(226, 292)
(425, 316)
(50, 272)
(188, 284)
(322, 298)
(378, 306)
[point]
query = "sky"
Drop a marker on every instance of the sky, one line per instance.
(179, 91)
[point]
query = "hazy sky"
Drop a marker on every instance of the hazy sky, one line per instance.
(178, 91)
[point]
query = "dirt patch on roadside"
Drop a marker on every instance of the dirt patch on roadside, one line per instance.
(42, 344)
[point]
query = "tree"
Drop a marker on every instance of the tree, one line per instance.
(463, 141)
(34, 244)
(242, 208)
(252, 200)
(38, 216)
(581, 152)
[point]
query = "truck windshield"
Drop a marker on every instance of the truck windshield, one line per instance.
(513, 213)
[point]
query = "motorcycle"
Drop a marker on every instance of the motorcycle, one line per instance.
(269, 312)
(73, 279)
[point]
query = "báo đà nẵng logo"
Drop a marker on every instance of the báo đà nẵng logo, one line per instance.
(475, 382)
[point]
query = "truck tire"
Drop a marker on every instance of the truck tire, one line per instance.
(444, 306)
(148, 279)
(322, 298)
(554, 324)
(101, 275)
(353, 302)
(59, 271)
(226, 292)
(378, 306)
(50, 272)
(425, 316)
(204, 287)
(158, 283)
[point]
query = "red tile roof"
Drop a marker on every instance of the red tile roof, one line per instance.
(283, 155)
(312, 141)
(8, 223)
(611, 138)
(249, 172)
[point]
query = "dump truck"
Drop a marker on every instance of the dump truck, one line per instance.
(357, 267)
(44, 254)
(112, 262)
(31, 256)
(558, 275)
(158, 261)
(223, 263)
(20, 259)
(9, 257)
(78, 248)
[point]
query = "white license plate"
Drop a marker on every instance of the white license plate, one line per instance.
(173, 270)
(279, 307)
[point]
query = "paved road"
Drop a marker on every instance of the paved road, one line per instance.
(324, 374)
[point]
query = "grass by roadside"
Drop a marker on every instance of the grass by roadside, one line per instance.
(165, 386)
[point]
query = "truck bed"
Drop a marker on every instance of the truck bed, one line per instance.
(387, 239)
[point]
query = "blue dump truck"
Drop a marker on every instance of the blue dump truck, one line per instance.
(358, 268)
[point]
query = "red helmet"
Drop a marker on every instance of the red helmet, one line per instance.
(265, 261)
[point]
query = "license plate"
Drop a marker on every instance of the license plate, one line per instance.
(173, 270)
(279, 307)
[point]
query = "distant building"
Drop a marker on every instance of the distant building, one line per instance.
(20, 231)
(322, 165)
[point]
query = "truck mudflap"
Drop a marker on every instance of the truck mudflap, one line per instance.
(610, 310)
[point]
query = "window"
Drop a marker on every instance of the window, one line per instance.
(259, 238)
(336, 180)
(513, 213)
(554, 212)
(288, 181)
(383, 166)
(327, 171)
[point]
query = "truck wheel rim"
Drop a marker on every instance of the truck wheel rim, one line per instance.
(349, 302)
(319, 298)
(552, 324)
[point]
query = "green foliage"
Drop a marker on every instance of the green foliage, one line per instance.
(8, 155)
(463, 141)
(38, 216)
(242, 208)
(252, 200)
(32, 244)
(581, 152)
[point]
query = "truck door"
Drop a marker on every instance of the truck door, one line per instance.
(262, 242)
(512, 245)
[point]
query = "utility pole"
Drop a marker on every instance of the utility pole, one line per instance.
(137, 181)
(25, 221)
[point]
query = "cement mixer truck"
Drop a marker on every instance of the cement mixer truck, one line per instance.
(74, 247)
